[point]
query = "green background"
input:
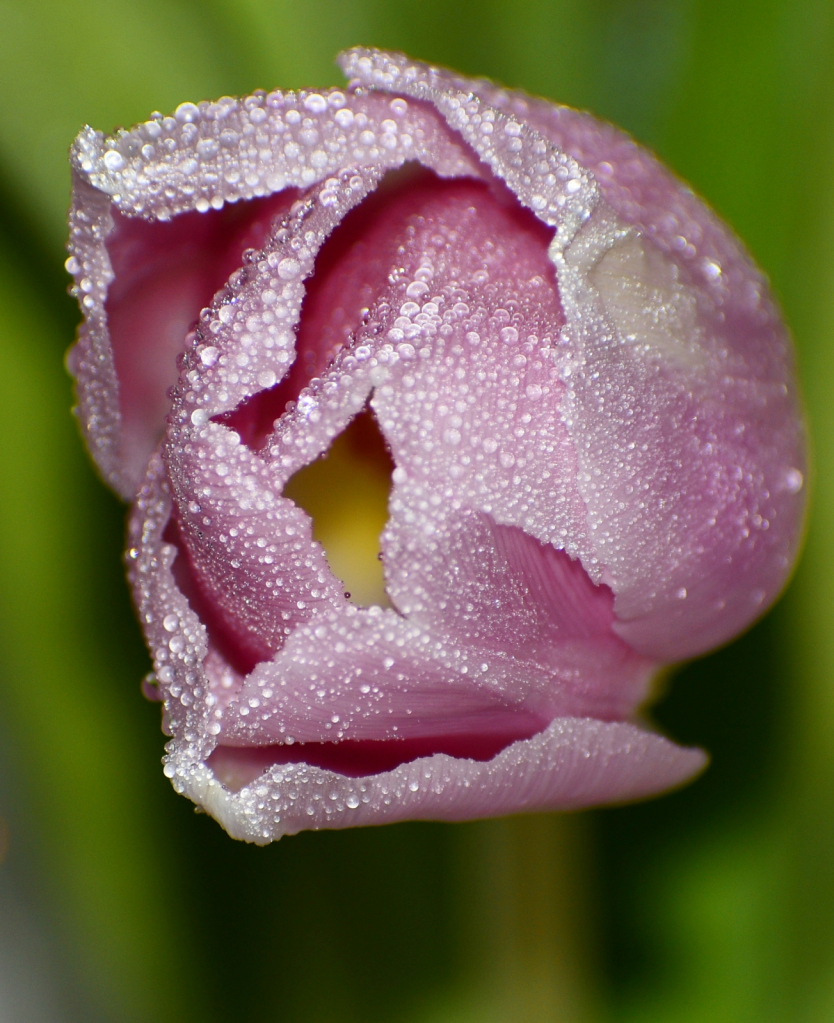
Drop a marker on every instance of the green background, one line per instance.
(117, 902)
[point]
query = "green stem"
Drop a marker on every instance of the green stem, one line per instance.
(525, 924)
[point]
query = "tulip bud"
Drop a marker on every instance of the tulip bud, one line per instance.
(587, 395)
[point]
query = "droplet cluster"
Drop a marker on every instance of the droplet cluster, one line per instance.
(209, 154)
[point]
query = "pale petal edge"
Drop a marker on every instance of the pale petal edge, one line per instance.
(574, 763)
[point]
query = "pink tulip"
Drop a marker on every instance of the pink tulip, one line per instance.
(586, 391)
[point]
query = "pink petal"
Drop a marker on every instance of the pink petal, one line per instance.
(163, 275)
(701, 409)
(574, 763)
(200, 159)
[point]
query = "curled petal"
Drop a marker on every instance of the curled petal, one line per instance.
(575, 762)
(189, 166)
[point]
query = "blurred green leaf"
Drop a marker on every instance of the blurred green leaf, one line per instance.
(104, 63)
(103, 857)
(726, 890)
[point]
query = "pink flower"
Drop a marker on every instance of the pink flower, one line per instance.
(588, 398)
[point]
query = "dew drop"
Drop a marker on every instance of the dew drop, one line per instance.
(794, 481)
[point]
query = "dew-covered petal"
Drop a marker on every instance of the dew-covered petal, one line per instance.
(573, 763)
(195, 163)
(749, 431)
(680, 403)
(368, 674)
(527, 638)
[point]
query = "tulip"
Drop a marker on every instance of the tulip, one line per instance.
(584, 388)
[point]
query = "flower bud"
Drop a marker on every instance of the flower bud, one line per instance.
(587, 395)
